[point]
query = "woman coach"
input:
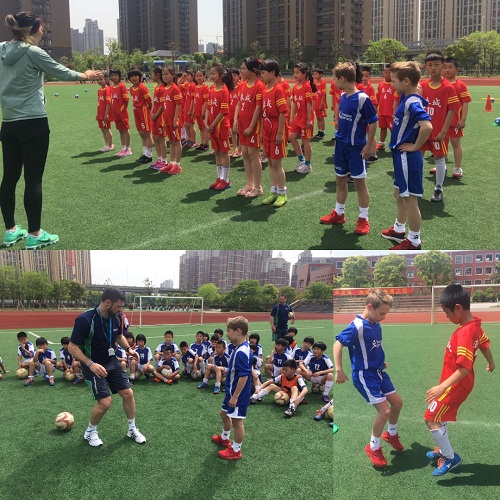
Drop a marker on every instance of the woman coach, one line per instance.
(25, 130)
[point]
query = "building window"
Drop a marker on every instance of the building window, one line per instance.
(410, 274)
(497, 257)
(479, 258)
(374, 263)
(409, 262)
(477, 282)
(467, 282)
(479, 270)
(488, 270)
(339, 265)
(468, 271)
(458, 272)
(488, 257)
(459, 259)
(468, 259)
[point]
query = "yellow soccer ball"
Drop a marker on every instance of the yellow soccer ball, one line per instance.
(64, 421)
(281, 398)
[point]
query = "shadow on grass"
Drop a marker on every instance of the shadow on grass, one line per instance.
(472, 475)
(430, 210)
(201, 195)
(232, 204)
(256, 213)
(409, 459)
(120, 167)
(294, 177)
(334, 234)
(146, 175)
(330, 186)
(88, 154)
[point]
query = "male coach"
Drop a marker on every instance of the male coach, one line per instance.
(279, 318)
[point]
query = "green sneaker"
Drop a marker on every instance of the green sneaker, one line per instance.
(12, 237)
(44, 240)
(270, 199)
(280, 200)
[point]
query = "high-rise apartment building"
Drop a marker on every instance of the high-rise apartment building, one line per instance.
(275, 271)
(91, 39)
(321, 26)
(73, 265)
(55, 13)
(146, 24)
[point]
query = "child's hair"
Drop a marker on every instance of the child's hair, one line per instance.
(140, 336)
(310, 340)
(378, 297)
(134, 72)
(304, 69)
(200, 332)
(115, 72)
(234, 71)
(288, 338)
(271, 65)
(169, 332)
(129, 335)
(158, 70)
(113, 294)
(407, 69)
(318, 70)
(282, 342)
(41, 341)
(22, 335)
(255, 336)
(290, 363)
(451, 60)
(252, 64)
(434, 55)
(23, 26)
(171, 71)
(221, 342)
(225, 75)
(366, 68)
(320, 345)
(206, 336)
(179, 74)
(183, 344)
(293, 330)
(253, 347)
(202, 71)
(215, 337)
(455, 294)
(189, 72)
(65, 340)
(350, 70)
(238, 322)
(167, 350)
(219, 331)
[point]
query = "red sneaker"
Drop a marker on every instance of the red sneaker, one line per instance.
(222, 185)
(175, 169)
(376, 456)
(393, 441)
(332, 218)
(230, 454)
(406, 244)
(362, 226)
(214, 184)
(432, 170)
(157, 380)
(224, 442)
(166, 168)
(390, 234)
(380, 147)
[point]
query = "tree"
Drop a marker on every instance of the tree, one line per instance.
(495, 277)
(465, 51)
(137, 59)
(245, 296)
(269, 295)
(296, 50)
(117, 57)
(434, 267)
(337, 53)
(7, 280)
(77, 292)
(35, 286)
(355, 273)
(209, 293)
(256, 50)
(318, 291)
(60, 291)
(291, 293)
(390, 271)
(385, 50)
(148, 283)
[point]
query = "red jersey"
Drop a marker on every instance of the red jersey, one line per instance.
(370, 92)
(302, 96)
(442, 99)
(250, 98)
(218, 103)
(234, 97)
(189, 90)
(273, 104)
(334, 92)
(385, 99)
(140, 96)
(200, 97)
(173, 98)
(463, 96)
(461, 351)
(119, 96)
(159, 102)
(320, 95)
(103, 99)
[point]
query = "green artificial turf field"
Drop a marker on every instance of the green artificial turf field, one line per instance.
(97, 201)
(282, 458)
(414, 354)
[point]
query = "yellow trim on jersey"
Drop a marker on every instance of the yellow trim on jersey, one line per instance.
(441, 412)
(462, 351)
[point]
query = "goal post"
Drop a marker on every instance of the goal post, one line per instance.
(153, 310)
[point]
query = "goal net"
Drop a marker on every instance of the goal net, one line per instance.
(150, 310)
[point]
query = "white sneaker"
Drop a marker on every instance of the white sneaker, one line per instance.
(104, 149)
(457, 172)
(136, 435)
(128, 152)
(299, 165)
(254, 398)
(304, 169)
(93, 438)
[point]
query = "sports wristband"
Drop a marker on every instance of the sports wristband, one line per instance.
(90, 364)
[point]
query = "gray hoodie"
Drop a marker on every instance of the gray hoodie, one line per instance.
(21, 80)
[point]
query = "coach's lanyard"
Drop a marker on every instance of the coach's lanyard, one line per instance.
(104, 328)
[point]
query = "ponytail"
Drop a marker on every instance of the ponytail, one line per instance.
(304, 69)
(23, 26)
(225, 74)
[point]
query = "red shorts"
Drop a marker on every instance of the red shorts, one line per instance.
(104, 123)
(187, 118)
(305, 132)
(437, 148)
(455, 133)
(445, 408)
(173, 134)
(252, 140)
(275, 151)
(201, 122)
(142, 117)
(320, 114)
(385, 122)
(121, 122)
(220, 144)
(159, 128)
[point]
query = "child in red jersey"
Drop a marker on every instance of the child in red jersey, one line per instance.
(172, 113)
(321, 105)
(456, 130)
(199, 107)
(302, 116)
(217, 123)
(119, 112)
(234, 97)
(275, 132)
(247, 122)
(103, 113)
(142, 104)
(457, 376)
(158, 129)
(366, 74)
(188, 118)
(443, 103)
(385, 99)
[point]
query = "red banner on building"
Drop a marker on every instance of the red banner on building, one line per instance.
(346, 292)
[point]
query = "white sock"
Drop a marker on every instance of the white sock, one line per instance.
(91, 428)
(132, 376)
(324, 409)
(443, 441)
(274, 189)
(225, 173)
(392, 429)
(363, 213)
(131, 424)
(328, 386)
(236, 447)
(339, 208)
(225, 434)
(414, 237)
(149, 152)
(217, 385)
(399, 228)
(205, 380)
(440, 171)
(262, 393)
(282, 191)
(374, 443)
(219, 171)
(257, 388)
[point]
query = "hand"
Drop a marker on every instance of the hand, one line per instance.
(440, 136)
(175, 125)
(367, 151)
(340, 377)
(490, 367)
(279, 138)
(235, 128)
(434, 393)
(407, 147)
(461, 124)
(210, 130)
(248, 131)
(134, 354)
(233, 401)
(385, 365)
(273, 329)
(310, 124)
(98, 370)
(93, 75)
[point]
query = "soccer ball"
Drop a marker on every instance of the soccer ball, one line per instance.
(281, 398)
(497, 121)
(86, 90)
(329, 412)
(317, 388)
(21, 373)
(69, 376)
(56, 95)
(64, 421)
(138, 375)
(76, 96)
(196, 374)
(291, 315)
(1, 376)
(166, 372)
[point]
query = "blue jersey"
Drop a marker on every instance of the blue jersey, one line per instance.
(222, 360)
(279, 359)
(29, 347)
(356, 112)
(240, 365)
(48, 354)
(198, 349)
(321, 364)
(410, 111)
(230, 348)
(300, 355)
(64, 354)
(144, 354)
(364, 342)
(189, 354)
(258, 350)
(173, 364)
(173, 347)
(120, 352)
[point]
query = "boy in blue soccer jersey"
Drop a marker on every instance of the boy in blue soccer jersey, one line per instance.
(187, 357)
(219, 367)
(143, 364)
(352, 148)
(167, 361)
(275, 360)
(167, 344)
(67, 363)
(200, 349)
(44, 360)
(411, 129)
(254, 338)
(237, 399)
(319, 369)
(363, 338)
(25, 350)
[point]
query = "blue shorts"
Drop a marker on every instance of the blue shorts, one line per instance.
(236, 412)
(408, 173)
(373, 385)
(347, 159)
(115, 381)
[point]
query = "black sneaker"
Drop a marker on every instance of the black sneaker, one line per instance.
(438, 195)
(372, 159)
(144, 159)
(289, 412)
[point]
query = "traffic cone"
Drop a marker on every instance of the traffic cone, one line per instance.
(488, 106)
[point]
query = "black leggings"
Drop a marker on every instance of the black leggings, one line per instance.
(24, 142)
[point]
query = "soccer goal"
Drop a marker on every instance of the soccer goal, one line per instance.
(151, 310)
